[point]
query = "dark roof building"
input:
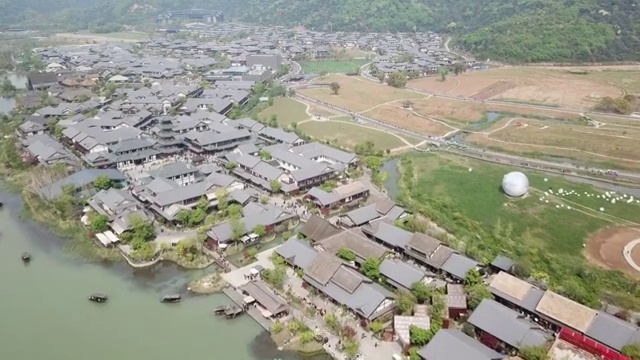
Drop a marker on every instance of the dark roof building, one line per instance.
(450, 344)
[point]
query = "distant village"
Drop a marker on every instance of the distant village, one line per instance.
(154, 118)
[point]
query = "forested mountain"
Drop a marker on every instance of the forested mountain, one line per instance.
(511, 30)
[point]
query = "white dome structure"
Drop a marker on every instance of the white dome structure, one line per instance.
(515, 184)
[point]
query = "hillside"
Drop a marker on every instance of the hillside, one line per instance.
(514, 31)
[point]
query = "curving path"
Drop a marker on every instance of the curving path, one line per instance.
(627, 254)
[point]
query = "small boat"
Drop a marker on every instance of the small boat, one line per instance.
(233, 312)
(220, 310)
(174, 298)
(99, 298)
(26, 257)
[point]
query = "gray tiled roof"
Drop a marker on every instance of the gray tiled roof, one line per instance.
(297, 252)
(507, 325)
(449, 344)
(401, 273)
(459, 265)
(388, 233)
(354, 240)
(503, 263)
(315, 149)
(611, 331)
(363, 215)
(265, 297)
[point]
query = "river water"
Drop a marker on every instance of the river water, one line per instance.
(45, 314)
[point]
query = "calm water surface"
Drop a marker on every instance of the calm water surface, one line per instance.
(44, 312)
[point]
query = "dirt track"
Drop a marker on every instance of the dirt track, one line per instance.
(605, 247)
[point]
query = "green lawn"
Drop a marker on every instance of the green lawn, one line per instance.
(332, 66)
(349, 135)
(287, 110)
(545, 240)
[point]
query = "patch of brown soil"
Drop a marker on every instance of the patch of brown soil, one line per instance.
(605, 247)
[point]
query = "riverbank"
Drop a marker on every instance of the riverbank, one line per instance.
(210, 284)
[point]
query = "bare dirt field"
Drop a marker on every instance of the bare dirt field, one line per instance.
(526, 85)
(614, 142)
(109, 37)
(605, 247)
(405, 119)
(445, 109)
(357, 94)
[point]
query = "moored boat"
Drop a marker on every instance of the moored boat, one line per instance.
(25, 256)
(233, 311)
(220, 310)
(100, 298)
(174, 298)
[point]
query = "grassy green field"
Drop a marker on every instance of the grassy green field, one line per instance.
(332, 66)
(349, 135)
(287, 110)
(546, 241)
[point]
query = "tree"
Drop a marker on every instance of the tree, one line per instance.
(252, 252)
(291, 92)
(306, 337)
(632, 351)
(275, 185)
(141, 229)
(184, 217)
(329, 185)
(443, 72)
(335, 88)
(419, 336)
(277, 327)
(332, 323)
(476, 294)
(405, 302)
(374, 163)
(222, 197)
(377, 327)
(234, 211)
(237, 230)
(102, 182)
(351, 348)
(534, 353)
(380, 76)
(407, 104)
(473, 278)
(421, 291)
(272, 122)
(413, 353)
(397, 80)
(371, 268)
(323, 73)
(459, 68)
(365, 148)
(260, 230)
(98, 223)
(6, 87)
(230, 166)
(275, 277)
(264, 155)
(346, 254)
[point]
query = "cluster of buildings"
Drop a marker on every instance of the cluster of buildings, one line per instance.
(423, 52)
(518, 315)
